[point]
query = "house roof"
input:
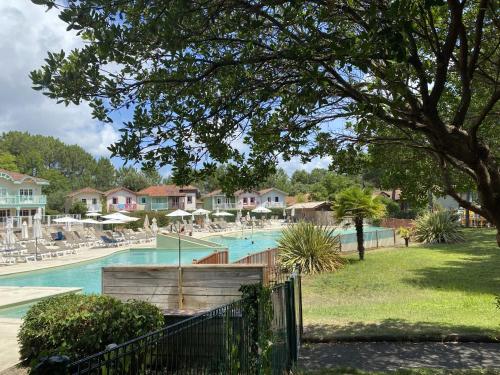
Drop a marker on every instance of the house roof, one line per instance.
(120, 188)
(19, 178)
(307, 205)
(162, 191)
(264, 191)
(214, 193)
(86, 190)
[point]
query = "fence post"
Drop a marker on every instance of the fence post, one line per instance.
(394, 235)
(291, 327)
(376, 237)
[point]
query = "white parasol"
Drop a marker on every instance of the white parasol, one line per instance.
(24, 231)
(120, 217)
(154, 226)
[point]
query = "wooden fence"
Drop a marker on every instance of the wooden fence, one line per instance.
(218, 257)
(267, 257)
(200, 286)
(397, 223)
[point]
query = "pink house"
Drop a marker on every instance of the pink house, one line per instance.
(121, 198)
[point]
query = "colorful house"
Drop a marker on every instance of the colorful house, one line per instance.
(121, 198)
(89, 196)
(168, 197)
(20, 194)
(270, 198)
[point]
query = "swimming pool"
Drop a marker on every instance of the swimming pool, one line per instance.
(87, 275)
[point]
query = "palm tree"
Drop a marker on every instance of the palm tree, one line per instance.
(359, 204)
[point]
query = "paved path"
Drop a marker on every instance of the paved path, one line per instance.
(19, 295)
(381, 356)
(9, 352)
(84, 255)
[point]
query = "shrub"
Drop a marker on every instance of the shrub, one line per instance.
(78, 325)
(438, 227)
(78, 208)
(313, 248)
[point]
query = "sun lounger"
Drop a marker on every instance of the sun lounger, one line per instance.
(7, 260)
(109, 242)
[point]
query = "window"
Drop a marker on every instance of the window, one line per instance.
(190, 199)
(94, 200)
(219, 201)
(3, 192)
(269, 199)
(115, 200)
(276, 199)
(129, 200)
(26, 192)
(84, 200)
(245, 200)
(143, 200)
(24, 212)
(252, 199)
(4, 213)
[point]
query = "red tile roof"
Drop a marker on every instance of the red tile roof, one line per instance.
(120, 188)
(214, 193)
(163, 191)
(20, 177)
(264, 191)
(87, 190)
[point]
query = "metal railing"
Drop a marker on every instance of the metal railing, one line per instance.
(19, 200)
(218, 257)
(226, 206)
(220, 341)
(159, 206)
(122, 206)
(46, 220)
(274, 204)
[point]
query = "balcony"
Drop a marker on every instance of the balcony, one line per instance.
(94, 207)
(159, 206)
(122, 206)
(8, 201)
(226, 206)
(274, 204)
(177, 205)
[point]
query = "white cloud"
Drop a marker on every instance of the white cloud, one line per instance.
(296, 164)
(27, 32)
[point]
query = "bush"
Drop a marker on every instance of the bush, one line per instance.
(78, 208)
(438, 227)
(78, 325)
(313, 248)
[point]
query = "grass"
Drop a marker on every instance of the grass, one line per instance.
(420, 293)
(343, 371)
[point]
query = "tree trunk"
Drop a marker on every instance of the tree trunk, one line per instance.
(407, 241)
(358, 223)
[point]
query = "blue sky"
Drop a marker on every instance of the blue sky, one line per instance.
(27, 32)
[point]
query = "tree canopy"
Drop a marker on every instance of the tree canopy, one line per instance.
(249, 82)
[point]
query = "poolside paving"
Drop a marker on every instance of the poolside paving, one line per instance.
(9, 352)
(388, 356)
(19, 295)
(84, 255)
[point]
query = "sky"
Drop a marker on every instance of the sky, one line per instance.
(27, 32)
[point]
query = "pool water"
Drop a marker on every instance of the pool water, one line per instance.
(87, 275)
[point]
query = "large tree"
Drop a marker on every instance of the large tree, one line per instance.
(247, 82)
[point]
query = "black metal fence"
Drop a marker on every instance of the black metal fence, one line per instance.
(221, 341)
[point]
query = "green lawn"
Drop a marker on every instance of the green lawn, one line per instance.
(423, 291)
